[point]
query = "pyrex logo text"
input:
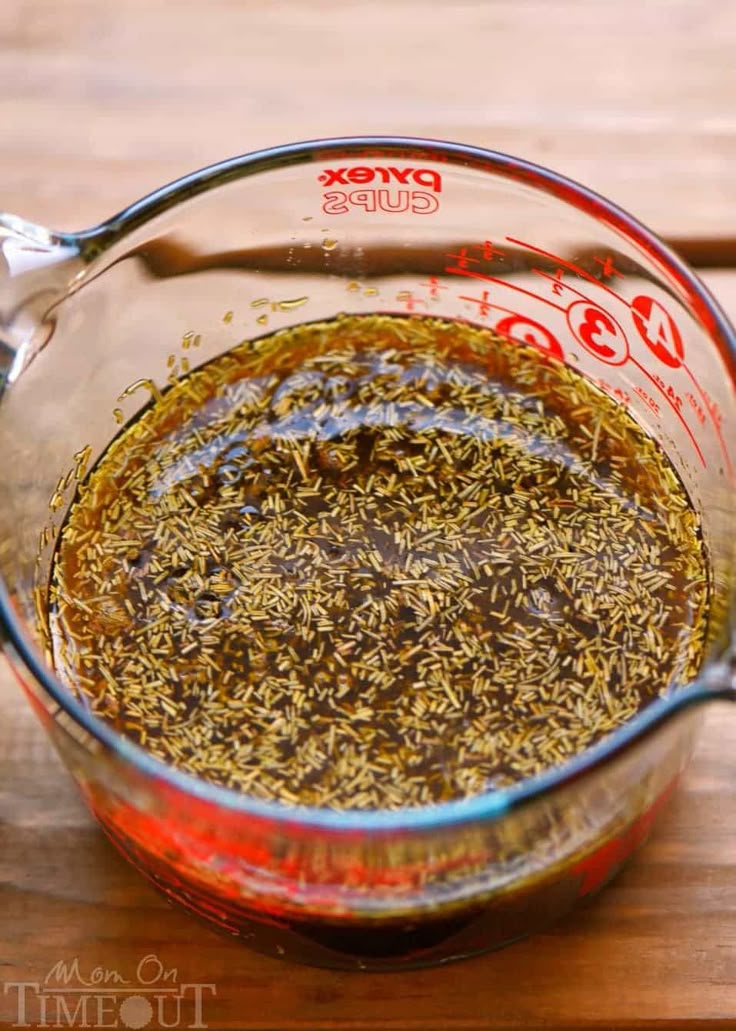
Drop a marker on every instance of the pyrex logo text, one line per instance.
(392, 196)
(362, 175)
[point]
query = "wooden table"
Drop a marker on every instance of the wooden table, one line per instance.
(100, 102)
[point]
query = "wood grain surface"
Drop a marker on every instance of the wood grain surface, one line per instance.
(102, 101)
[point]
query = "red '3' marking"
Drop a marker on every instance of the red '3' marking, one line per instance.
(598, 332)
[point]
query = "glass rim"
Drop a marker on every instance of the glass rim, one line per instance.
(484, 806)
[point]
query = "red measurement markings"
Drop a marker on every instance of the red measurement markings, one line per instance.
(601, 334)
(650, 256)
(653, 380)
(598, 332)
(558, 286)
(433, 287)
(697, 408)
(458, 270)
(410, 302)
(526, 331)
(615, 392)
(660, 333)
(463, 259)
(714, 410)
(658, 330)
(608, 269)
(716, 418)
(568, 265)
(485, 305)
(669, 390)
(556, 280)
(647, 399)
(517, 326)
(489, 250)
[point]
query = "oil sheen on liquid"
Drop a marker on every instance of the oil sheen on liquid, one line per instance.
(376, 562)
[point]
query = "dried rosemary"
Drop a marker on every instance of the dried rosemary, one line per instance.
(380, 561)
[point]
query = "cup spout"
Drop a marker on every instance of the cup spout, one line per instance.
(37, 268)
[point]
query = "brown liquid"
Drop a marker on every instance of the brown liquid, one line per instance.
(377, 562)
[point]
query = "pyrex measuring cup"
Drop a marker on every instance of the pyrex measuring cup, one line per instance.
(94, 323)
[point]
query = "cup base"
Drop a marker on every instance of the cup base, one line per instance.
(385, 945)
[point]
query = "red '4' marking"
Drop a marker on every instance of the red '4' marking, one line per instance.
(658, 330)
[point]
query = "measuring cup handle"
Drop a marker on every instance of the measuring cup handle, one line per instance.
(37, 267)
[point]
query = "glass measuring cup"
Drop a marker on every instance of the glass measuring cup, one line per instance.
(92, 324)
